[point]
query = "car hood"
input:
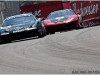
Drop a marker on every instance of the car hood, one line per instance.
(59, 19)
(17, 27)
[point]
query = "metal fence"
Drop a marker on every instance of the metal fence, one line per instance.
(8, 8)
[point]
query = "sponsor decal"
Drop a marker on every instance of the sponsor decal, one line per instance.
(86, 10)
(18, 31)
(37, 13)
(93, 23)
(89, 11)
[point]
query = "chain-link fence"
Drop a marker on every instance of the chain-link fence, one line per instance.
(8, 8)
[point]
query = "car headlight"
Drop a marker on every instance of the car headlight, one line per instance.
(8, 29)
(30, 28)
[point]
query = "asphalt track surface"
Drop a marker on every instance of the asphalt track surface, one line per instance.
(59, 53)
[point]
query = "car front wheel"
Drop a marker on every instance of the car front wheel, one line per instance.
(80, 26)
(40, 34)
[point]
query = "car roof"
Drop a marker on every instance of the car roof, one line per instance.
(61, 10)
(11, 17)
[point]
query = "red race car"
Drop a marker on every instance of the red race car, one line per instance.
(62, 20)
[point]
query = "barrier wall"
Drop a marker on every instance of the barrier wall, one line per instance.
(66, 5)
(90, 11)
(42, 9)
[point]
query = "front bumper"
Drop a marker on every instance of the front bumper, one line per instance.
(20, 34)
(61, 26)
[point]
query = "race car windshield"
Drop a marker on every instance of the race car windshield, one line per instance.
(18, 20)
(60, 14)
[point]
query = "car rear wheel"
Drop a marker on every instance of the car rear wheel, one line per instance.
(80, 26)
(42, 33)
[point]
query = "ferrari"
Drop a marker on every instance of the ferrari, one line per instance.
(21, 26)
(63, 20)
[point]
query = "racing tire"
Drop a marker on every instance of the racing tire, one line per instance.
(40, 34)
(80, 26)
